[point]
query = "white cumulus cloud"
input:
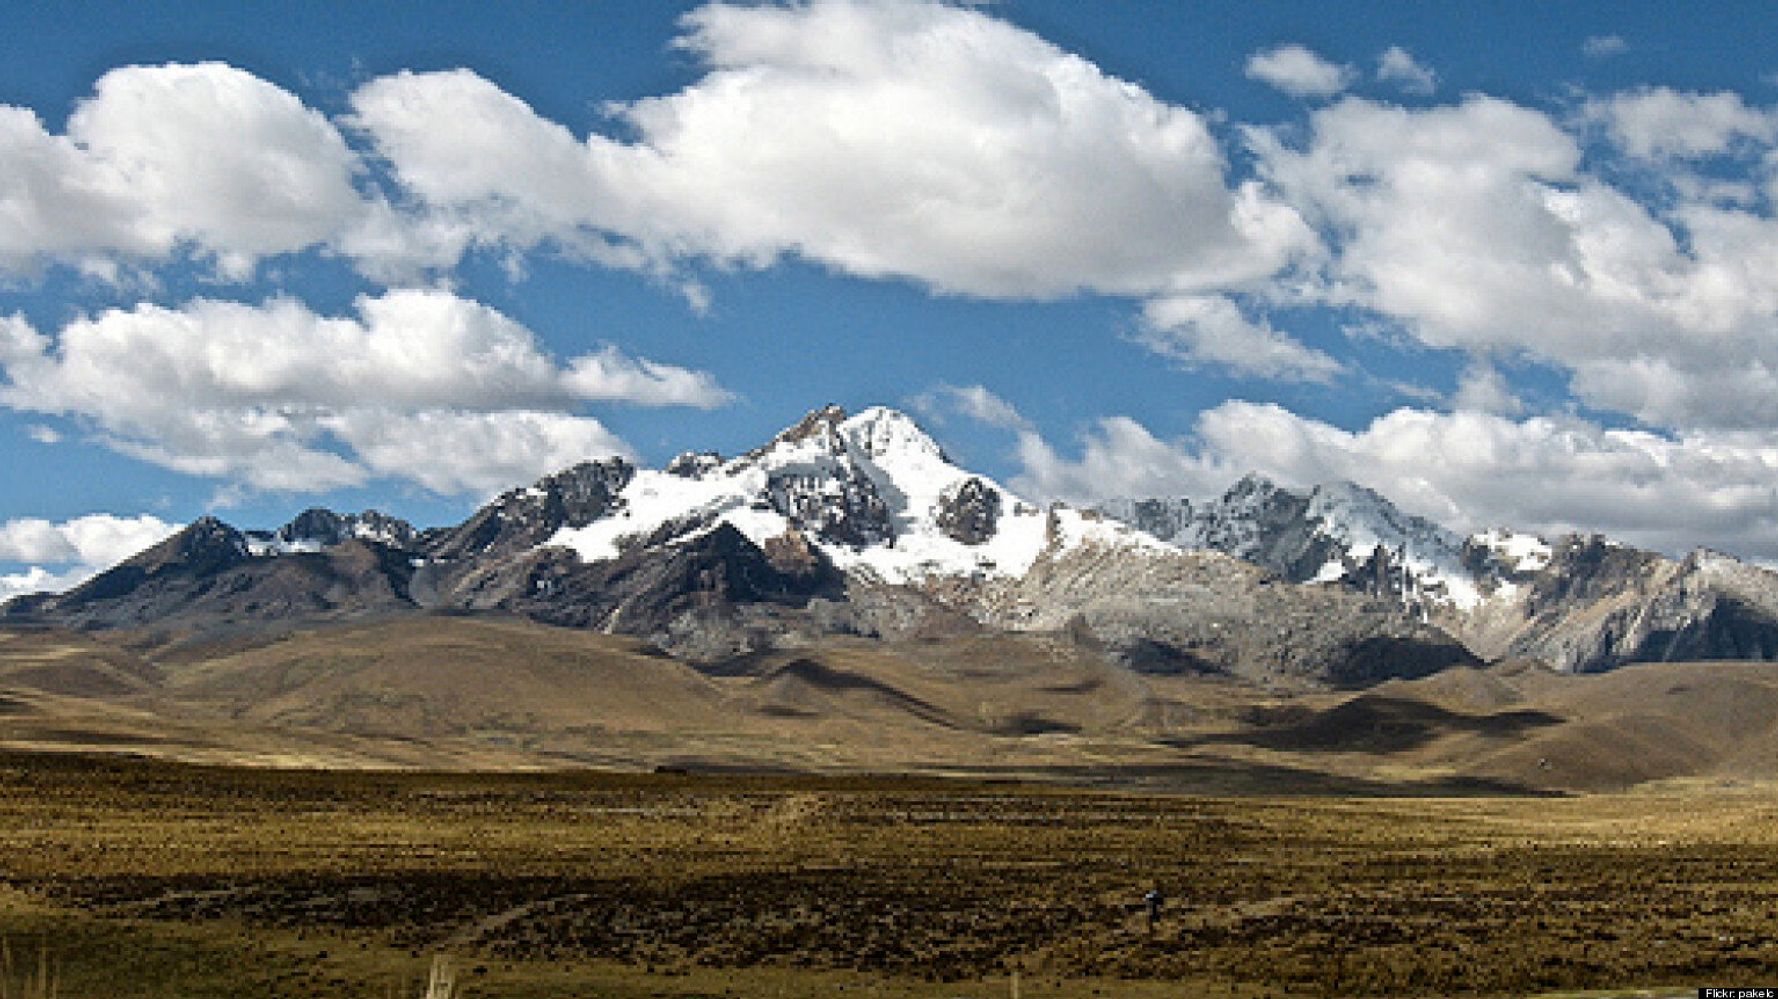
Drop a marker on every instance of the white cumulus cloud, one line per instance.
(279, 397)
(66, 553)
(203, 157)
(1119, 458)
(1482, 388)
(994, 164)
(480, 453)
(1660, 122)
(1475, 226)
(1211, 330)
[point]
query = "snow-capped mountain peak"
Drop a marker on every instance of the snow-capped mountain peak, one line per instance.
(1374, 533)
(885, 434)
(872, 492)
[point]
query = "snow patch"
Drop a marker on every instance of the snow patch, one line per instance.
(1523, 552)
(1428, 557)
(270, 546)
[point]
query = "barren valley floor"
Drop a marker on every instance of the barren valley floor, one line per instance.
(135, 878)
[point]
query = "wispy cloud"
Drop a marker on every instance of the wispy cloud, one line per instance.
(1396, 65)
(1604, 46)
(1211, 331)
(1299, 72)
(973, 401)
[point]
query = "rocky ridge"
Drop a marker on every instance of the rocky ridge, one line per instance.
(1581, 603)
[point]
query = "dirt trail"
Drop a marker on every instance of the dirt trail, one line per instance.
(482, 929)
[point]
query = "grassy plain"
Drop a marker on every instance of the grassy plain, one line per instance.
(158, 880)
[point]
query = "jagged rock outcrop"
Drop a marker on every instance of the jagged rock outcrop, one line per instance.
(821, 425)
(520, 519)
(693, 464)
(1334, 532)
(1597, 605)
(317, 528)
(969, 512)
(843, 508)
(1165, 518)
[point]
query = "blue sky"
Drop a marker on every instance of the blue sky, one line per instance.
(1507, 263)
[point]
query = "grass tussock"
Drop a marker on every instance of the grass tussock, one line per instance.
(441, 981)
(25, 978)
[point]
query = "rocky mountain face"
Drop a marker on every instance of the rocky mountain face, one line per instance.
(209, 576)
(315, 529)
(1580, 603)
(521, 519)
(1337, 532)
(840, 524)
(1170, 611)
(1597, 604)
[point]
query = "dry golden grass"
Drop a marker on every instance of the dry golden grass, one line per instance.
(155, 880)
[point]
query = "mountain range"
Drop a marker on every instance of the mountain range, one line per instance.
(1577, 602)
(863, 526)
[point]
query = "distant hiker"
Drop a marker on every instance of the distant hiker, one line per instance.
(1153, 900)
